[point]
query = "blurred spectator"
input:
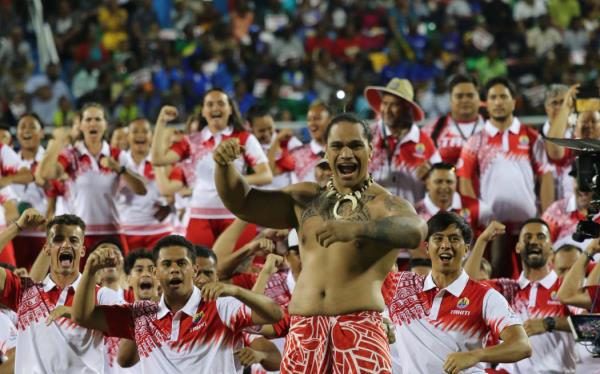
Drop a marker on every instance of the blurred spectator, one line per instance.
(490, 66)
(563, 11)
(348, 44)
(435, 101)
(128, 110)
(242, 18)
(286, 45)
(143, 18)
(45, 92)
(181, 15)
(13, 80)
(577, 38)
(527, 9)
(397, 67)
(543, 37)
(85, 80)
(460, 9)
(65, 27)
(319, 39)
(499, 19)
(328, 76)
(14, 49)
(91, 49)
(64, 115)
(113, 20)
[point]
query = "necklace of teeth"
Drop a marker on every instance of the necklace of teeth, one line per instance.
(353, 197)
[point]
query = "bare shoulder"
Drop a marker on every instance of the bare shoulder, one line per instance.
(391, 205)
(301, 192)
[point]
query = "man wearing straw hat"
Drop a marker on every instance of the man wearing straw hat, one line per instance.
(402, 153)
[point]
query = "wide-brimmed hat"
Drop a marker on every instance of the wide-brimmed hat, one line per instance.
(398, 87)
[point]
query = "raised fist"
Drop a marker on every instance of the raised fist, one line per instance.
(102, 258)
(167, 114)
(227, 151)
(31, 218)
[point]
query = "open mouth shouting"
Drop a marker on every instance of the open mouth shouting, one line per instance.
(146, 285)
(65, 259)
(446, 257)
(175, 282)
(347, 170)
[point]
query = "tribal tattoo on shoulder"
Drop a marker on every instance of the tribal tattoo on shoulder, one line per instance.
(322, 206)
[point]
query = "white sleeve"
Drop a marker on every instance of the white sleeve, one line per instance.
(10, 160)
(435, 158)
(497, 313)
(8, 334)
(254, 152)
(294, 143)
(485, 214)
(107, 296)
(234, 314)
(7, 193)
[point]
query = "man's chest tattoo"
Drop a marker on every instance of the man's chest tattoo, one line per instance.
(323, 206)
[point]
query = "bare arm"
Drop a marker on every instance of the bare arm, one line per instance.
(571, 291)
(166, 186)
(11, 212)
(262, 175)
(466, 187)
(270, 267)
(269, 356)
(473, 263)
(558, 124)
(514, 347)
(128, 354)
(546, 191)
(49, 167)
(264, 310)
(23, 176)
(248, 203)
(134, 181)
(161, 154)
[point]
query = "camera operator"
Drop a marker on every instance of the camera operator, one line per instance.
(573, 292)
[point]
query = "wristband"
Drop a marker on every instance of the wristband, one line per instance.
(122, 170)
(549, 323)
(590, 256)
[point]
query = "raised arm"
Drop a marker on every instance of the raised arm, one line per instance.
(84, 309)
(166, 186)
(267, 208)
(133, 180)
(49, 167)
(161, 154)
(270, 267)
(571, 291)
(400, 227)
(264, 310)
(262, 175)
(491, 232)
(231, 264)
(466, 187)
(558, 124)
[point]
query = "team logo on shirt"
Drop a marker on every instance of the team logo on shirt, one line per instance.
(463, 303)
(420, 148)
(554, 295)
(523, 141)
(197, 317)
(466, 214)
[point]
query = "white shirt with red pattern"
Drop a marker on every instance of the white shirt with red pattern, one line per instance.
(453, 136)
(136, 212)
(284, 161)
(32, 194)
(553, 352)
(8, 335)
(10, 162)
(61, 347)
(506, 164)
(195, 152)
(475, 212)
(432, 323)
(562, 216)
(563, 182)
(306, 159)
(199, 338)
(91, 188)
(6, 194)
(394, 163)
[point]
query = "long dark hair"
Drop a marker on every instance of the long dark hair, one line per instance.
(235, 119)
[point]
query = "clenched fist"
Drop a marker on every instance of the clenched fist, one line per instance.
(30, 218)
(228, 151)
(102, 258)
(167, 114)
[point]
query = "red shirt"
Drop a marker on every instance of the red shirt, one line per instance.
(452, 136)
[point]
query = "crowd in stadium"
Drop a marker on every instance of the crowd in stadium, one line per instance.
(414, 225)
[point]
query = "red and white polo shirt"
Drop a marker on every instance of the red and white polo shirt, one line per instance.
(284, 161)
(553, 352)
(31, 193)
(61, 347)
(506, 164)
(199, 338)
(562, 216)
(432, 323)
(8, 336)
(395, 161)
(91, 190)
(306, 159)
(136, 212)
(475, 212)
(195, 151)
(453, 136)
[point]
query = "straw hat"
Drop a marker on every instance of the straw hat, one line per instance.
(398, 87)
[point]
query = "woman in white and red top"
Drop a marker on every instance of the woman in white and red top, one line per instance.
(143, 217)
(94, 170)
(220, 121)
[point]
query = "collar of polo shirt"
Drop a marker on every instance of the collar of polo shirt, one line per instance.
(492, 130)
(189, 308)
(455, 288)
(546, 282)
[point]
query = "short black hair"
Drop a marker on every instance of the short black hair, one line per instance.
(351, 118)
(414, 262)
(133, 256)
(66, 219)
(441, 166)
(462, 78)
(174, 240)
(257, 111)
(568, 248)
(442, 220)
(205, 252)
(535, 220)
(7, 266)
(112, 240)
(32, 115)
(502, 81)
